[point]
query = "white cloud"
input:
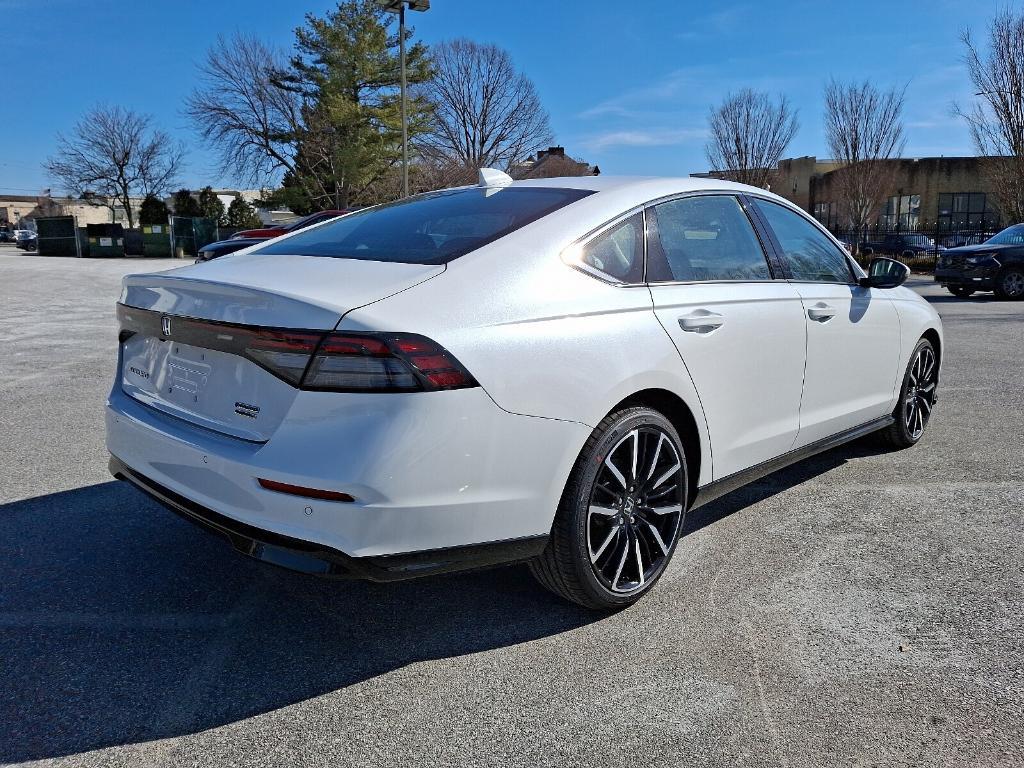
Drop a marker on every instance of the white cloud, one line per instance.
(650, 137)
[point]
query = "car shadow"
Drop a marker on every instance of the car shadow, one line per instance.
(973, 299)
(120, 623)
(779, 481)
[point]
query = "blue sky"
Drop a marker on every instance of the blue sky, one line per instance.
(628, 85)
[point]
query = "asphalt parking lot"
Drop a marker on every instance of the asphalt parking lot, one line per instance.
(859, 609)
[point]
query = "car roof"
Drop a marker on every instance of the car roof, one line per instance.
(608, 183)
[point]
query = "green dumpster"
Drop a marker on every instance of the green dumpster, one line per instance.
(57, 236)
(156, 241)
(105, 239)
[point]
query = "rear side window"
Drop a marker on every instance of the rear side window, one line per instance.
(705, 237)
(428, 229)
(618, 251)
(811, 255)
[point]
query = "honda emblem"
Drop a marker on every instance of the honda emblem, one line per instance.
(165, 325)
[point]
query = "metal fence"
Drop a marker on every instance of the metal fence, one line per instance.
(911, 245)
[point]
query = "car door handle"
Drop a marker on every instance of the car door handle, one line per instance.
(701, 321)
(821, 312)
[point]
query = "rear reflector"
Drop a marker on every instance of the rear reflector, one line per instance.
(298, 490)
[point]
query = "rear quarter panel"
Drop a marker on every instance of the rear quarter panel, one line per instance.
(542, 338)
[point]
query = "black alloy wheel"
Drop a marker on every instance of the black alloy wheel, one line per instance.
(621, 513)
(1010, 284)
(917, 397)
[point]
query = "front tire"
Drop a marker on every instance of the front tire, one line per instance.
(917, 396)
(1010, 284)
(620, 515)
(961, 293)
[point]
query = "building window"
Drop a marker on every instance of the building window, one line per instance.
(966, 210)
(827, 214)
(901, 212)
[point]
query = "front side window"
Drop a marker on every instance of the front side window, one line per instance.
(701, 238)
(618, 251)
(434, 228)
(811, 255)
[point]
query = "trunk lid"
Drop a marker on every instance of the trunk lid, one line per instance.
(186, 333)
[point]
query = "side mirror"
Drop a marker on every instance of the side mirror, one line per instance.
(885, 273)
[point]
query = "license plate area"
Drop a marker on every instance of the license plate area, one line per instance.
(213, 389)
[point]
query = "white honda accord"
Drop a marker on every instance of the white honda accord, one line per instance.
(550, 370)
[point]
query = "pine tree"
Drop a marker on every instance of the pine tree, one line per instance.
(153, 211)
(210, 205)
(348, 71)
(242, 215)
(186, 205)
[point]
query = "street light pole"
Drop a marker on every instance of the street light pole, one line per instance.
(398, 6)
(405, 118)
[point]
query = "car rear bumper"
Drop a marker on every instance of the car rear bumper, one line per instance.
(427, 471)
(309, 557)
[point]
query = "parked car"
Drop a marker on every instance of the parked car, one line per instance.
(265, 233)
(906, 246)
(552, 370)
(25, 239)
(224, 247)
(6, 235)
(995, 265)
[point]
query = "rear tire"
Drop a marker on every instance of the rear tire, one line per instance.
(620, 515)
(917, 397)
(1010, 284)
(961, 293)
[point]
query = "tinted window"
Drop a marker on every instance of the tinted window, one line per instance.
(1010, 236)
(706, 237)
(619, 251)
(811, 255)
(428, 229)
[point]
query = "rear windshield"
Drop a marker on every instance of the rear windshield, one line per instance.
(428, 229)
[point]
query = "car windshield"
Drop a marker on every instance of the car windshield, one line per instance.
(1010, 236)
(433, 228)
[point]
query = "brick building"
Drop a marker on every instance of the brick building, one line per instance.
(931, 193)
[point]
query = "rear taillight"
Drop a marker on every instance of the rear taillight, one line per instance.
(358, 362)
(337, 362)
(284, 353)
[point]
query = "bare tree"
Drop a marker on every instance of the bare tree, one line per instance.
(864, 131)
(996, 119)
(243, 108)
(115, 153)
(486, 113)
(749, 134)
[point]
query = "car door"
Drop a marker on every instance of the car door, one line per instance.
(739, 331)
(853, 334)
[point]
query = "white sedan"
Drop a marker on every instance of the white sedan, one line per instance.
(549, 370)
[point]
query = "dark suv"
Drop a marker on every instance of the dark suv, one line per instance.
(995, 265)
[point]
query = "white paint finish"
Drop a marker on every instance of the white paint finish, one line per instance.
(428, 470)
(554, 350)
(204, 385)
(745, 353)
(853, 352)
(282, 291)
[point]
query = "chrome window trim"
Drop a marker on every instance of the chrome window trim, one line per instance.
(584, 240)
